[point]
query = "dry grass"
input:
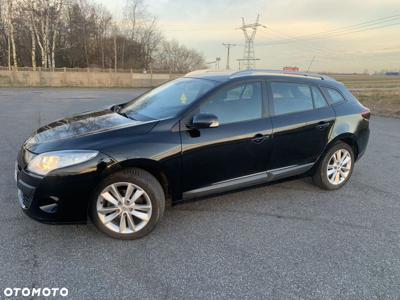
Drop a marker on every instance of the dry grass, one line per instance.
(379, 93)
(381, 102)
(367, 81)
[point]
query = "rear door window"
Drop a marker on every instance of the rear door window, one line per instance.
(291, 97)
(319, 99)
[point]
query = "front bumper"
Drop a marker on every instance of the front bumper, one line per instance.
(63, 196)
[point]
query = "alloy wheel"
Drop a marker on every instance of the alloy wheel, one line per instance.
(124, 207)
(339, 167)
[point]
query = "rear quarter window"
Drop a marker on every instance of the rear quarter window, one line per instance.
(334, 95)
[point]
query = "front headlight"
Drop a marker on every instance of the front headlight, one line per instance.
(49, 161)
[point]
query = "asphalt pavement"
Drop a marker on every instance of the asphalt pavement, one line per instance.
(289, 240)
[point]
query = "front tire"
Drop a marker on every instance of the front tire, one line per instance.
(128, 204)
(335, 168)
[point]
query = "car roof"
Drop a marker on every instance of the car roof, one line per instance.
(228, 75)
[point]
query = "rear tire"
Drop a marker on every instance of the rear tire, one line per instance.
(335, 168)
(127, 205)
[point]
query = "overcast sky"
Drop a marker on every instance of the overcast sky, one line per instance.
(205, 25)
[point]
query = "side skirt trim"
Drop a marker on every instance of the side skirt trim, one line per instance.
(289, 171)
(248, 180)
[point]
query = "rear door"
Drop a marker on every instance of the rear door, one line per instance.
(302, 120)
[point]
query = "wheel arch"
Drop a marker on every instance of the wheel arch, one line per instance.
(348, 138)
(153, 167)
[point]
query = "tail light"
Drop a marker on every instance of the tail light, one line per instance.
(366, 114)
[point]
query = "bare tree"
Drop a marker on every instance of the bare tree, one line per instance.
(6, 31)
(40, 27)
(85, 10)
(33, 41)
(11, 35)
(135, 12)
(177, 58)
(150, 39)
(46, 16)
(115, 34)
(29, 13)
(81, 33)
(142, 28)
(104, 23)
(3, 32)
(57, 20)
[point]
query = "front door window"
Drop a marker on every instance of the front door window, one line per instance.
(239, 103)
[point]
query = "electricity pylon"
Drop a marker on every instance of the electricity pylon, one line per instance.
(228, 47)
(249, 31)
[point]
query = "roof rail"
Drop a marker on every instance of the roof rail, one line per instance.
(197, 72)
(284, 73)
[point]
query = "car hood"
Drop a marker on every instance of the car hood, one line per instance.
(79, 126)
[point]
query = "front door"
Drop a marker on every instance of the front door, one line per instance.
(302, 120)
(240, 146)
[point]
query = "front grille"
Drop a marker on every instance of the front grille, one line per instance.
(27, 200)
(24, 200)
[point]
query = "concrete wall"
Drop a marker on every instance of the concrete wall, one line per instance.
(81, 79)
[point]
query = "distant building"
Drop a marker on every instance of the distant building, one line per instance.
(392, 73)
(291, 69)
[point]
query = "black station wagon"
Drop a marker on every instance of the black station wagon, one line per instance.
(201, 134)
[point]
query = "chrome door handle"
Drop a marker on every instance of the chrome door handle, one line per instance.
(322, 125)
(259, 138)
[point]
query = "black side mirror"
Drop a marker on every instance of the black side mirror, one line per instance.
(204, 121)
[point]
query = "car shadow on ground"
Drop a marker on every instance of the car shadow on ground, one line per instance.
(227, 202)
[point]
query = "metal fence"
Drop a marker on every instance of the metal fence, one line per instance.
(94, 70)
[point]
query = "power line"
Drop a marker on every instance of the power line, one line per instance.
(375, 25)
(228, 47)
(367, 29)
(325, 53)
(300, 43)
(362, 24)
(304, 43)
(215, 63)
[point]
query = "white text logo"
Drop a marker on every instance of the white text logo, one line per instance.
(38, 292)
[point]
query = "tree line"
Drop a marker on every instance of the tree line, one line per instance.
(83, 34)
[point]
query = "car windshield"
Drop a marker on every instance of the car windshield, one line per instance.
(169, 99)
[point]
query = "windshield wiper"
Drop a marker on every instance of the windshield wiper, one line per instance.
(117, 109)
(125, 115)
